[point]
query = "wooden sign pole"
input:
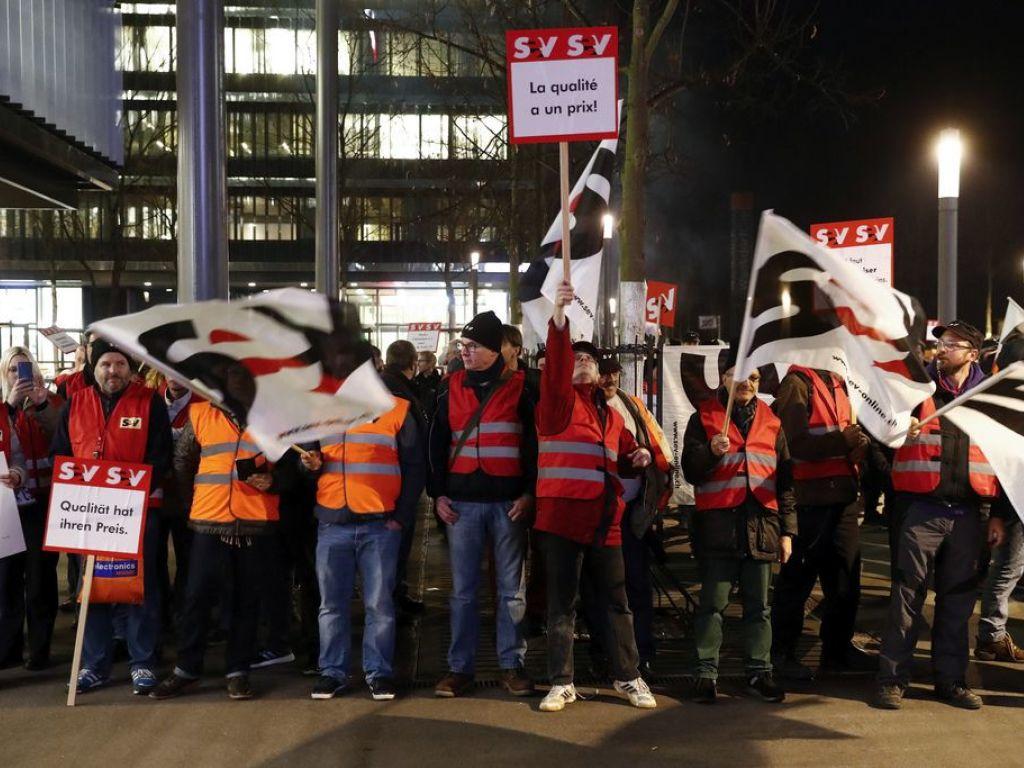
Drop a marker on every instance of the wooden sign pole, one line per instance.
(563, 172)
(83, 614)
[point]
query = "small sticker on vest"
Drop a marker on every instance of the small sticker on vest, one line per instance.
(131, 422)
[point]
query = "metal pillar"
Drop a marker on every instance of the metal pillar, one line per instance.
(474, 284)
(202, 186)
(947, 258)
(327, 262)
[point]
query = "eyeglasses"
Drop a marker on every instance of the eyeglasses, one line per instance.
(470, 347)
(952, 345)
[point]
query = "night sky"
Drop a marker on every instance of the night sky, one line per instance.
(938, 63)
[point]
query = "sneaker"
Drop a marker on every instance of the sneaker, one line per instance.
(172, 686)
(90, 681)
(268, 658)
(889, 696)
(705, 690)
(327, 687)
(764, 686)
(558, 697)
(311, 671)
(788, 668)
(239, 687)
(453, 684)
(143, 681)
(382, 689)
(1003, 649)
(517, 682)
(638, 692)
(958, 694)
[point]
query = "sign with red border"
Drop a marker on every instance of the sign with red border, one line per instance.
(868, 243)
(563, 84)
(97, 507)
(424, 336)
(662, 299)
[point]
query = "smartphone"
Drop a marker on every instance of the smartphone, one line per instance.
(246, 468)
(25, 372)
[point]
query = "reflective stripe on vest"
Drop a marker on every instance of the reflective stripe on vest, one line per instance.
(750, 463)
(492, 447)
(577, 463)
(829, 412)
(361, 472)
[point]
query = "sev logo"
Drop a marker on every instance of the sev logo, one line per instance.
(131, 422)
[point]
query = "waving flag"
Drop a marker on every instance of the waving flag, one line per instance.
(290, 365)
(1011, 338)
(808, 306)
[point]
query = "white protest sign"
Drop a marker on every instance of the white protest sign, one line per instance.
(563, 84)
(867, 243)
(12, 539)
(60, 339)
(97, 507)
(424, 336)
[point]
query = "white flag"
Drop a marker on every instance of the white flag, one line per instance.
(808, 306)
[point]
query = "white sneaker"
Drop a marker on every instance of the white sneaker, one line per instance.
(638, 692)
(558, 697)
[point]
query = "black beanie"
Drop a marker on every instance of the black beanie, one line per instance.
(486, 330)
(100, 347)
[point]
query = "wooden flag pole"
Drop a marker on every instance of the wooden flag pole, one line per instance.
(728, 407)
(563, 173)
(83, 615)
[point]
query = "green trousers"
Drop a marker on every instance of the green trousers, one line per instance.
(718, 575)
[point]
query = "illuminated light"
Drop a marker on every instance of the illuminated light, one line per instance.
(168, 290)
(609, 225)
(148, 284)
(245, 146)
(949, 152)
(251, 285)
(612, 303)
(474, 259)
(285, 147)
(787, 301)
(303, 285)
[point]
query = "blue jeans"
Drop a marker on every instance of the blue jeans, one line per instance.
(1004, 571)
(371, 549)
(140, 623)
(466, 540)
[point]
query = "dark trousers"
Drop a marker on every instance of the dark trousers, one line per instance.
(404, 551)
(212, 564)
(564, 562)
(717, 576)
(28, 590)
(636, 557)
(828, 548)
(174, 531)
(932, 541)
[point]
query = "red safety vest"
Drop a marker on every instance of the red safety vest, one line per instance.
(36, 448)
(493, 446)
(575, 463)
(750, 463)
(830, 411)
(6, 430)
(917, 465)
(74, 382)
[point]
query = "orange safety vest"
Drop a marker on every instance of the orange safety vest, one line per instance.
(493, 446)
(830, 411)
(917, 465)
(36, 448)
(220, 496)
(575, 463)
(361, 470)
(750, 463)
(120, 437)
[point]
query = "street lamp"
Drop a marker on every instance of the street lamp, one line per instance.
(948, 151)
(474, 263)
(608, 220)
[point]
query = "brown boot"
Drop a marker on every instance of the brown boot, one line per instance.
(453, 684)
(517, 682)
(1003, 649)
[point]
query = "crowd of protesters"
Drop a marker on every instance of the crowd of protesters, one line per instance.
(550, 481)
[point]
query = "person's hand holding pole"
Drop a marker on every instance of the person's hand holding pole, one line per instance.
(563, 298)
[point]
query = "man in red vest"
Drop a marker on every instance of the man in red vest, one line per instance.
(118, 420)
(826, 447)
(941, 480)
(482, 474)
(583, 449)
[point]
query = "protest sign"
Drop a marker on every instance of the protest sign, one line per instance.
(865, 242)
(60, 339)
(424, 336)
(661, 303)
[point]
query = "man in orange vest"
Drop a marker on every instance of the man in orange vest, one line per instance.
(482, 474)
(941, 480)
(826, 447)
(745, 519)
(118, 420)
(369, 480)
(583, 450)
(234, 493)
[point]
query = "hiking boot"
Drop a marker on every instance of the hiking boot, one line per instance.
(958, 694)
(517, 682)
(382, 689)
(239, 687)
(764, 686)
(1003, 649)
(638, 693)
(788, 668)
(268, 658)
(889, 696)
(172, 686)
(327, 687)
(705, 690)
(143, 681)
(454, 684)
(558, 697)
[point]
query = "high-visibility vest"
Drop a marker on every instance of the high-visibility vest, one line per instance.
(830, 412)
(493, 445)
(219, 495)
(576, 463)
(120, 437)
(750, 463)
(36, 448)
(917, 465)
(361, 470)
